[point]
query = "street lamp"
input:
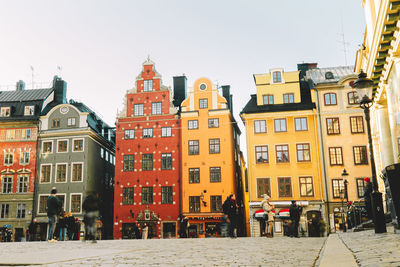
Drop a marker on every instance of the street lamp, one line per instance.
(343, 196)
(363, 85)
(344, 175)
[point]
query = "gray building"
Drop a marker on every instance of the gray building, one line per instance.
(76, 154)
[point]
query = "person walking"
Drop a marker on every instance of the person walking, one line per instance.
(32, 230)
(63, 226)
(230, 208)
(295, 212)
(91, 208)
(53, 209)
(367, 197)
(268, 208)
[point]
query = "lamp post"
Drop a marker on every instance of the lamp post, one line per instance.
(364, 86)
(343, 196)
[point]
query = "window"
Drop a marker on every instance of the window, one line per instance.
(303, 152)
(21, 210)
(77, 145)
(5, 211)
(332, 126)
(71, 121)
(166, 195)
(76, 200)
(268, 99)
(166, 161)
(280, 125)
(29, 111)
(215, 174)
(55, 123)
(147, 162)
(138, 110)
(166, 131)
(61, 173)
(288, 98)
(194, 204)
(360, 155)
(213, 123)
(214, 146)
(193, 147)
(6, 184)
(306, 187)
(128, 196)
(285, 187)
(216, 203)
(45, 172)
(77, 172)
(352, 98)
(260, 126)
(360, 187)
(24, 158)
(357, 124)
(10, 134)
(147, 195)
(147, 85)
(194, 175)
(42, 204)
(47, 147)
(262, 154)
(277, 77)
(8, 158)
(193, 124)
(156, 108)
(301, 124)
(5, 112)
(337, 188)
(129, 134)
(203, 103)
(102, 152)
(62, 146)
(263, 187)
(147, 132)
(330, 99)
(335, 156)
(23, 183)
(282, 153)
(26, 134)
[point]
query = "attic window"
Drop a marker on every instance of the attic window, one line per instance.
(148, 85)
(329, 75)
(5, 112)
(277, 76)
(29, 111)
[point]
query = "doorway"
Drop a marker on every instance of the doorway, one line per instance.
(169, 229)
(314, 221)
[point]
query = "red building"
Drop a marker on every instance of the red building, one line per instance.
(147, 168)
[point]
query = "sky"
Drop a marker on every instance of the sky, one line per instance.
(98, 46)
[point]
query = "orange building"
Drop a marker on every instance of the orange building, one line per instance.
(210, 158)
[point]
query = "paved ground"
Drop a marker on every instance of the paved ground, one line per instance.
(282, 251)
(371, 250)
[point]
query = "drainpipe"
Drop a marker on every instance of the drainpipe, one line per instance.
(36, 180)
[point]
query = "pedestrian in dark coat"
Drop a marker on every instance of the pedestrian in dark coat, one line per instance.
(230, 208)
(62, 226)
(32, 230)
(183, 226)
(53, 209)
(295, 212)
(70, 222)
(367, 197)
(91, 209)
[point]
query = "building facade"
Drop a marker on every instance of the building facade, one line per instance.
(344, 139)
(210, 158)
(19, 127)
(147, 189)
(283, 149)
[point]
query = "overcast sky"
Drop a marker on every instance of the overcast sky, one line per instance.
(101, 45)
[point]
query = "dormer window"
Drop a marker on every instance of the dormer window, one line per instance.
(5, 112)
(29, 111)
(147, 85)
(329, 75)
(277, 77)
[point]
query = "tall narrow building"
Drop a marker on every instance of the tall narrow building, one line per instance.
(210, 158)
(147, 160)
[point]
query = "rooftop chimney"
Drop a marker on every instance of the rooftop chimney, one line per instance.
(20, 85)
(180, 90)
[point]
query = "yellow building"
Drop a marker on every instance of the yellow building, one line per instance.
(210, 157)
(282, 148)
(344, 139)
(379, 58)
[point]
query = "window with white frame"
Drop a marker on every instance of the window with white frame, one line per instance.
(24, 158)
(138, 110)
(47, 147)
(147, 85)
(166, 131)
(71, 121)
(8, 158)
(301, 124)
(193, 124)
(77, 172)
(61, 173)
(77, 145)
(45, 173)
(203, 103)
(10, 134)
(260, 126)
(26, 134)
(277, 77)
(129, 134)
(213, 123)
(280, 125)
(6, 184)
(29, 111)
(147, 132)
(23, 184)
(62, 146)
(21, 210)
(5, 112)
(76, 203)
(156, 108)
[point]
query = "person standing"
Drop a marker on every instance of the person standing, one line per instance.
(295, 212)
(145, 231)
(183, 226)
(367, 197)
(267, 207)
(70, 223)
(32, 230)
(63, 226)
(53, 209)
(230, 208)
(91, 208)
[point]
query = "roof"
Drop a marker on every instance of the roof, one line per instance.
(318, 75)
(24, 95)
(252, 107)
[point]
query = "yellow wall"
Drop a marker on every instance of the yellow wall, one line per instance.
(225, 159)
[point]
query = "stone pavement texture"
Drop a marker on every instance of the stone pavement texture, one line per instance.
(278, 251)
(331, 251)
(373, 250)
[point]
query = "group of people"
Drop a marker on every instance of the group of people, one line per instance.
(5, 234)
(68, 224)
(294, 211)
